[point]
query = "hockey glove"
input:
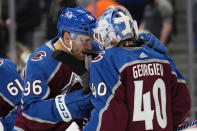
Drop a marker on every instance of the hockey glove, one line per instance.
(148, 39)
(74, 105)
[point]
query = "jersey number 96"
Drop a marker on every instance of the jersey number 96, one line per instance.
(36, 88)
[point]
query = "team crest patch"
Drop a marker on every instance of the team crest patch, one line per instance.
(1, 62)
(73, 79)
(39, 56)
(99, 57)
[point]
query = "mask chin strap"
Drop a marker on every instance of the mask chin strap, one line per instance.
(69, 49)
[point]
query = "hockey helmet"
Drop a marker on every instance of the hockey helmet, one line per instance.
(115, 25)
(76, 20)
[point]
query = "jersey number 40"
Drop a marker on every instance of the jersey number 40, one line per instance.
(147, 114)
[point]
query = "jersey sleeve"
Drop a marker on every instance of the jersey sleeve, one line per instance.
(8, 121)
(34, 103)
(11, 87)
(110, 111)
(181, 101)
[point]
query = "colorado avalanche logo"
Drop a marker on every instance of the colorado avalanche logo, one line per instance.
(39, 56)
(1, 62)
(99, 57)
(73, 79)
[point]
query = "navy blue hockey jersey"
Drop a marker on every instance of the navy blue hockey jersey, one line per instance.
(136, 90)
(45, 79)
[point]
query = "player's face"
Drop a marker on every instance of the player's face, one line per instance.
(81, 44)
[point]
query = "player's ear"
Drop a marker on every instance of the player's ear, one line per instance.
(66, 36)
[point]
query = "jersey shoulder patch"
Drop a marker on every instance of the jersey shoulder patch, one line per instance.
(99, 57)
(39, 56)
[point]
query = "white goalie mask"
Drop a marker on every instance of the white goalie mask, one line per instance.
(115, 25)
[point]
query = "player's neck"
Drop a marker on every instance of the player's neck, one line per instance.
(58, 46)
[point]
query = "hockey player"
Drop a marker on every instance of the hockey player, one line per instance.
(46, 102)
(133, 88)
(11, 89)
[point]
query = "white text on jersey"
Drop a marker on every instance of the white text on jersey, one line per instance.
(148, 69)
